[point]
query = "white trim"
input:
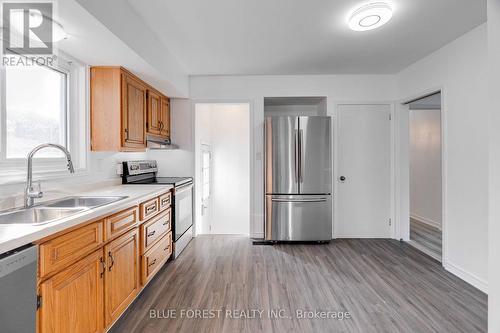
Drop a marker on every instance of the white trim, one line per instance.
(470, 278)
(404, 226)
(76, 129)
(426, 220)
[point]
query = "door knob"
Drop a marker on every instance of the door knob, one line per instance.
(342, 178)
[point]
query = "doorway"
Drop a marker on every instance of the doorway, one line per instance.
(364, 171)
(222, 162)
(425, 175)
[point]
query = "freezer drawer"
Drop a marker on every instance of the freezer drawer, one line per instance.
(298, 218)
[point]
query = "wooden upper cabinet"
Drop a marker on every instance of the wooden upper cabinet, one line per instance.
(121, 283)
(133, 112)
(153, 121)
(117, 110)
(165, 117)
(72, 300)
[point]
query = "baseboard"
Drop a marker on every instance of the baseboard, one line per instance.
(467, 277)
(424, 220)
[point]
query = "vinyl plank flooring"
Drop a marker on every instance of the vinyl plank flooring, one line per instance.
(426, 236)
(385, 285)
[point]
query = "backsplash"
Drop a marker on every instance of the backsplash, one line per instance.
(101, 172)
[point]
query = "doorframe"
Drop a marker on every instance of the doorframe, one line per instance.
(203, 146)
(251, 108)
(404, 226)
(336, 137)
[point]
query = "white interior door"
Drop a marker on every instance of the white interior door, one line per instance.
(364, 171)
(206, 170)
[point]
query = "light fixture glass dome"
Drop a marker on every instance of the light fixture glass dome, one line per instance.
(370, 16)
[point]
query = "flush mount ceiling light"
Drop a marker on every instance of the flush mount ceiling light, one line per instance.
(370, 16)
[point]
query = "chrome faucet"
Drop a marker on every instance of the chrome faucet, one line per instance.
(31, 194)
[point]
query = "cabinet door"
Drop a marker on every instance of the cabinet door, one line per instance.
(72, 300)
(133, 113)
(165, 117)
(154, 121)
(122, 276)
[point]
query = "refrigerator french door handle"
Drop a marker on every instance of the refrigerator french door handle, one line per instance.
(296, 157)
(299, 200)
(300, 156)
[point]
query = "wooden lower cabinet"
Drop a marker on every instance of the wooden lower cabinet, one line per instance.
(153, 259)
(121, 283)
(72, 300)
(84, 289)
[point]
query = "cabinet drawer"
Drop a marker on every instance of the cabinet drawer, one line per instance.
(165, 201)
(154, 229)
(149, 208)
(155, 257)
(116, 224)
(66, 249)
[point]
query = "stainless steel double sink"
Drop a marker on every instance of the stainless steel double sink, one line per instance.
(55, 210)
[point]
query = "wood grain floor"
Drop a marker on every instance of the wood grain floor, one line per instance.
(427, 236)
(385, 286)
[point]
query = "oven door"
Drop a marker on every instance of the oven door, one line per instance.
(183, 209)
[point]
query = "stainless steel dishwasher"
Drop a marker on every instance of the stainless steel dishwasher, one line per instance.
(18, 299)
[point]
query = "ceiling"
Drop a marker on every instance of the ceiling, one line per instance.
(235, 37)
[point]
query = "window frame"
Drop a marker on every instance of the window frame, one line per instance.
(13, 170)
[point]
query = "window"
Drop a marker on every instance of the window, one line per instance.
(41, 104)
(36, 110)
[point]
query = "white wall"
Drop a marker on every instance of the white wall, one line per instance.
(226, 128)
(425, 166)
(460, 70)
(337, 88)
(97, 42)
(230, 142)
(178, 162)
(120, 18)
(494, 148)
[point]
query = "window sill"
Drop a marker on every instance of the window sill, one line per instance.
(13, 177)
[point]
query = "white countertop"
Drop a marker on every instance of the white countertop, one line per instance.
(13, 236)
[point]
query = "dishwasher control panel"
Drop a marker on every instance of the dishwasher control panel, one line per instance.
(16, 259)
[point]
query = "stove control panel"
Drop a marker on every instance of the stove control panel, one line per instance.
(140, 167)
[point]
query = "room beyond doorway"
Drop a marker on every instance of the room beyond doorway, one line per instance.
(425, 161)
(222, 163)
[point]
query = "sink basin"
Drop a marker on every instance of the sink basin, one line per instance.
(36, 215)
(54, 210)
(83, 202)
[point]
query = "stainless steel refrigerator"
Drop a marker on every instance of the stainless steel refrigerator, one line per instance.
(298, 179)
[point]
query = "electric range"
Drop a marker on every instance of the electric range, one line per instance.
(144, 173)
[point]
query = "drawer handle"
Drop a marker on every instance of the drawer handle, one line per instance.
(165, 223)
(151, 233)
(167, 248)
(112, 260)
(165, 201)
(103, 266)
(152, 263)
(149, 209)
